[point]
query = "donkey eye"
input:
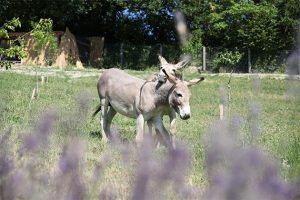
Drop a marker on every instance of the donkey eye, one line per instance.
(174, 70)
(179, 95)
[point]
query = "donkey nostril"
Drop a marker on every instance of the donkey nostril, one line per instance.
(186, 116)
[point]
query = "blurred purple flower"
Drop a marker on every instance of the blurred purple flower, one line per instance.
(237, 172)
(71, 156)
(39, 138)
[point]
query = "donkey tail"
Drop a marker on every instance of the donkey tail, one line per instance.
(96, 111)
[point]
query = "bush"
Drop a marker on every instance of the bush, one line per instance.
(226, 60)
(44, 38)
(266, 63)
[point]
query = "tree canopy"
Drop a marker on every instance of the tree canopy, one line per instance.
(152, 21)
(264, 26)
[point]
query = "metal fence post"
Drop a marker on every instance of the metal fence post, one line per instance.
(298, 59)
(249, 61)
(122, 54)
(160, 49)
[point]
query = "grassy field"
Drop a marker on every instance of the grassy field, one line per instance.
(266, 107)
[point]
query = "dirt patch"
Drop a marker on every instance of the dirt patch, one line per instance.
(50, 71)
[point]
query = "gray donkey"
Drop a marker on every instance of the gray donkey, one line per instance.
(174, 70)
(142, 100)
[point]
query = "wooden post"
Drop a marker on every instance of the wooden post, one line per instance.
(160, 49)
(122, 54)
(43, 80)
(34, 93)
(249, 61)
(204, 58)
(35, 90)
(221, 107)
(298, 52)
(298, 56)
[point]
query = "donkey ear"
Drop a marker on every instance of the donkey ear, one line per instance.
(183, 63)
(194, 81)
(162, 60)
(170, 77)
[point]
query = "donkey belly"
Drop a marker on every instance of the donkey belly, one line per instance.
(120, 89)
(123, 108)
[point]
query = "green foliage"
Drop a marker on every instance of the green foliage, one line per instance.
(288, 22)
(226, 59)
(271, 63)
(264, 26)
(13, 24)
(16, 47)
(245, 25)
(194, 44)
(44, 38)
(5, 63)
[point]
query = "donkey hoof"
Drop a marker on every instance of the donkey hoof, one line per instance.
(104, 139)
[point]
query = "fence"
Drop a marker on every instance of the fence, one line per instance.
(250, 60)
(139, 57)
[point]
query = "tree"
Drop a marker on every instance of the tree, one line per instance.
(41, 43)
(243, 25)
(15, 47)
(264, 26)
(288, 20)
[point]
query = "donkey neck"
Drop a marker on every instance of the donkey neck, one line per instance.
(162, 92)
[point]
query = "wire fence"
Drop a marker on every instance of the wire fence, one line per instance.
(139, 57)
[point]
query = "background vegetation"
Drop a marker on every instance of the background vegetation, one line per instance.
(266, 27)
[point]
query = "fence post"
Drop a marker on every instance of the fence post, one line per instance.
(160, 49)
(221, 107)
(298, 48)
(122, 54)
(249, 61)
(204, 58)
(298, 56)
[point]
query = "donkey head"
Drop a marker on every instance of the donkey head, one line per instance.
(179, 96)
(171, 69)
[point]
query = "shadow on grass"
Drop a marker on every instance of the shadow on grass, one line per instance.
(96, 134)
(123, 140)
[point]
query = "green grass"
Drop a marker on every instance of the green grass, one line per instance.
(279, 117)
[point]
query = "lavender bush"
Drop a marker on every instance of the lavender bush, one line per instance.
(234, 171)
(237, 172)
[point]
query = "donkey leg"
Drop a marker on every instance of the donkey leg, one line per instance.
(139, 128)
(158, 139)
(162, 130)
(103, 118)
(110, 115)
(172, 116)
(150, 126)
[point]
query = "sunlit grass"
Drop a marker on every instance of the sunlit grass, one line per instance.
(279, 117)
